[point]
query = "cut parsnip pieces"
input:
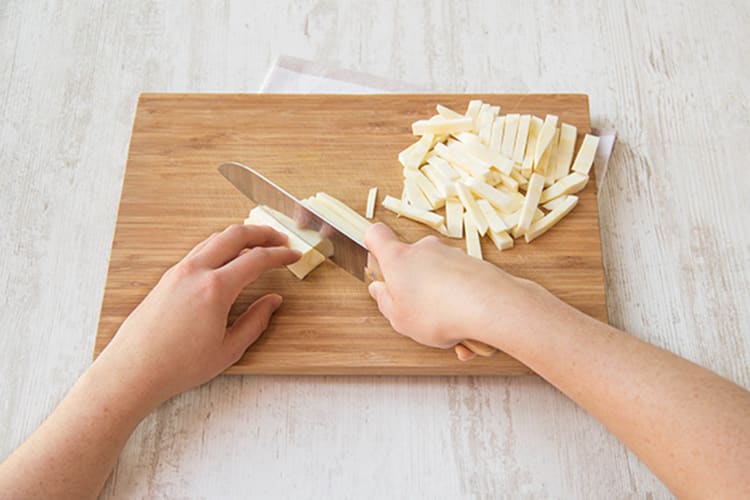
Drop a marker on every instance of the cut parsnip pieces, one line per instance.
(414, 195)
(454, 218)
(414, 155)
(470, 146)
(448, 113)
(496, 135)
(442, 126)
(500, 199)
(570, 184)
(457, 157)
(502, 240)
(491, 172)
(444, 185)
(429, 190)
(542, 147)
(545, 223)
(372, 196)
(530, 202)
(585, 156)
(565, 148)
(311, 258)
(519, 148)
(473, 245)
(494, 221)
(509, 136)
(472, 111)
(426, 217)
(472, 209)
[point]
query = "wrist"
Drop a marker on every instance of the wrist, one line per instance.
(122, 387)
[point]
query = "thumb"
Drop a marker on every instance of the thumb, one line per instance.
(381, 241)
(252, 323)
(380, 293)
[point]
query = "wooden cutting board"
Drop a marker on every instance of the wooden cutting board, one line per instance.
(173, 197)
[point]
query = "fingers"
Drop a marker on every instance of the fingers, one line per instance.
(382, 242)
(379, 292)
(464, 354)
(228, 244)
(251, 324)
(246, 268)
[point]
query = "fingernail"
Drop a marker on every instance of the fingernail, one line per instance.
(276, 301)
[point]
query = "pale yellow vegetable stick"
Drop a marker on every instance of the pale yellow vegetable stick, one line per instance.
(372, 196)
(530, 202)
(545, 223)
(473, 245)
(585, 157)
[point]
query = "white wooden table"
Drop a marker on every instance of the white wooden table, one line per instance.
(672, 78)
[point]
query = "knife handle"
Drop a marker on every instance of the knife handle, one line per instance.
(373, 273)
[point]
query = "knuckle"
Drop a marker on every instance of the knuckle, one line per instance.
(259, 253)
(236, 230)
(211, 286)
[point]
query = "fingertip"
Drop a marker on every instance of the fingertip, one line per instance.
(375, 289)
(464, 354)
(275, 301)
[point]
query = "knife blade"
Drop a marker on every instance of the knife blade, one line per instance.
(348, 254)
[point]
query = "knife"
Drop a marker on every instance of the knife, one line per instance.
(348, 253)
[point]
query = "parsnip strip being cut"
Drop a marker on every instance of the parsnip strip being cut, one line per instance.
(519, 148)
(502, 240)
(490, 214)
(340, 214)
(454, 218)
(311, 258)
(431, 219)
(570, 184)
(442, 127)
(473, 245)
(472, 209)
(372, 196)
(530, 202)
(509, 136)
(545, 223)
(565, 148)
(585, 157)
(496, 197)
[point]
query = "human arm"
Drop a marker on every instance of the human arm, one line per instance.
(690, 426)
(176, 339)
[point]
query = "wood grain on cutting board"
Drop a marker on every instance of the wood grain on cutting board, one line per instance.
(173, 197)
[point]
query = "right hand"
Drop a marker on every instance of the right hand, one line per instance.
(438, 295)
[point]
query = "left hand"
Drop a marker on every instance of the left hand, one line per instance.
(177, 338)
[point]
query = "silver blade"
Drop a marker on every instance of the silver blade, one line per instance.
(347, 253)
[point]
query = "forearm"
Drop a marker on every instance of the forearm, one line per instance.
(690, 426)
(73, 452)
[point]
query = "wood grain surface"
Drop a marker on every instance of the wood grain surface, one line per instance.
(173, 197)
